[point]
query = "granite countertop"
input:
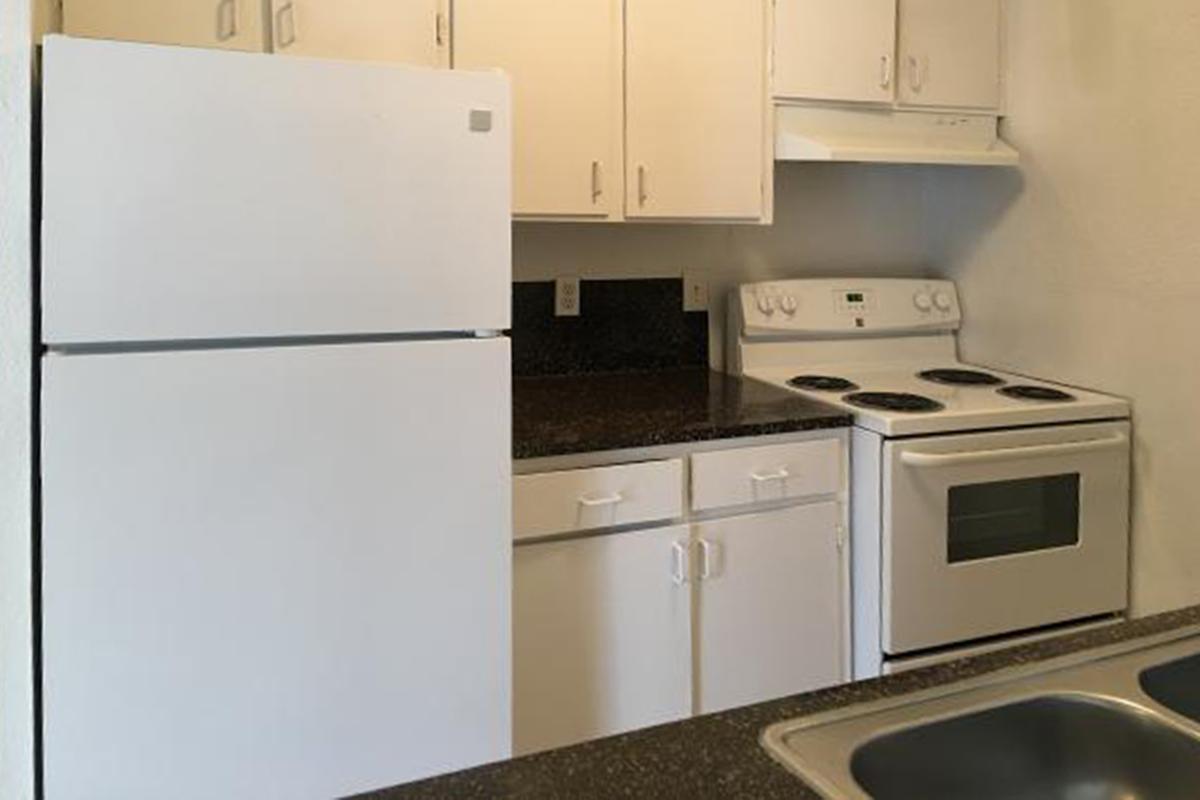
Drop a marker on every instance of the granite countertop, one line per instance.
(564, 414)
(719, 755)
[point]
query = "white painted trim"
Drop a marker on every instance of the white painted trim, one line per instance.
(16, 431)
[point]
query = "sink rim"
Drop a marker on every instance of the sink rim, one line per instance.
(958, 698)
(1122, 705)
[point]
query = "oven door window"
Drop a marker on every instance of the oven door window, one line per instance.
(1007, 517)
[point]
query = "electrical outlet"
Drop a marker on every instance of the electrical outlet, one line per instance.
(566, 297)
(695, 292)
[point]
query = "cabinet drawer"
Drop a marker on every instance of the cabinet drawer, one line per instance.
(761, 474)
(581, 499)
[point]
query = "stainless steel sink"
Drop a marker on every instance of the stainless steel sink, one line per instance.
(1054, 746)
(1175, 685)
(1122, 722)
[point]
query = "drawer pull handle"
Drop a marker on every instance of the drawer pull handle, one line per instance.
(599, 502)
(780, 474)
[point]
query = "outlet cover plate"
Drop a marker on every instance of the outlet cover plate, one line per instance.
(695, 292)
(566, 297)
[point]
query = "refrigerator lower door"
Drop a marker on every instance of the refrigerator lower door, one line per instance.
(278, 572)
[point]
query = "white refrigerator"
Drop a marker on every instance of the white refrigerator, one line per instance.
(275, 423)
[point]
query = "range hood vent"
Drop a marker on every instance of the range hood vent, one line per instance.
(805, 133)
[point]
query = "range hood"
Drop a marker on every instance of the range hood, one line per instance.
(810, 133)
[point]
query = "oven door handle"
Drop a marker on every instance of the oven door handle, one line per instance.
(939, 460)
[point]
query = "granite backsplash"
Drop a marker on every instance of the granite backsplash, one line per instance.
(623, 326)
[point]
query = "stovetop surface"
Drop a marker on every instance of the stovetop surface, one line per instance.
(978, 405)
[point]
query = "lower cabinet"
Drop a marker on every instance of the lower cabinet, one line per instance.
(615, 631)
(770, 615)
(601, 638)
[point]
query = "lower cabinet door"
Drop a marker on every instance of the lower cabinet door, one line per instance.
(771, 614)
(601, 636)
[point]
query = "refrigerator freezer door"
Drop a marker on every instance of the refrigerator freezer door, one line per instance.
(201, 194)
(275, 572)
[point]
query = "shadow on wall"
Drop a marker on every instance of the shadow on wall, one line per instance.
(964, 206)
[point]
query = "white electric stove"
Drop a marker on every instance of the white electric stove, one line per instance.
(985, 505)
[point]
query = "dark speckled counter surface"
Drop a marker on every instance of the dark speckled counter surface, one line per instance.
(564, 414)
(719, 755)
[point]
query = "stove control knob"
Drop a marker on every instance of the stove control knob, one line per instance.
(788, 304)
(923, 301)
(765, 304)
(942, 301)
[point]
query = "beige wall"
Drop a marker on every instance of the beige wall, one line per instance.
(829, 220)
(1086, 267)
(16, 680)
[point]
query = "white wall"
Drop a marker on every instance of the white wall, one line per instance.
(1086, 266)
(16, 682)
(829, 220)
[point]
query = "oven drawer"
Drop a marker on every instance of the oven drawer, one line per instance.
(760, 474)
(601, 497)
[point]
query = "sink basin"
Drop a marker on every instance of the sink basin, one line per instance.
(1047, 747)
(1095, 725)
(1175, 685)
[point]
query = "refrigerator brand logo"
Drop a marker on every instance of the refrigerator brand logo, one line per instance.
(480, 120)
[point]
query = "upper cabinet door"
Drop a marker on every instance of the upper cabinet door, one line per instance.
(696, 109)
(950, 53)
(403, 31)
(836, 50)
(227, 24)
(564, 59)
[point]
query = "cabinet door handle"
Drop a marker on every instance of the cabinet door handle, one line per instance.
(915, 79)
(710, 559)
(439, 29)
(679, 563)
(597, 182)
(285, 25)
(643, 194)
(226, 20)
(885, 71)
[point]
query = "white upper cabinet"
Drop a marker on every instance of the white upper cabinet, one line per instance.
(226, 24)
(950, 53)
(645, 109)
(908, 53)
(835, 50)
(564, 59)
(696, 109)
(403, 31)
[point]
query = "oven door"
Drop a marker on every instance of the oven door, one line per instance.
(991, 533)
